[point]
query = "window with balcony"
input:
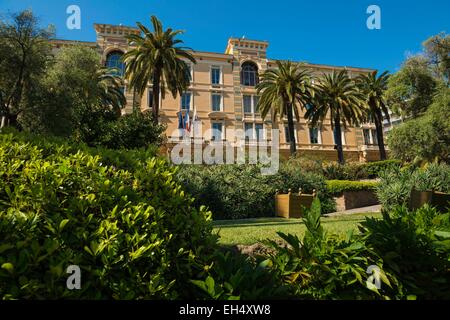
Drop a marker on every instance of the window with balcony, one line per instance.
(247, 102)
(217, 132)
(190, 71)
(186, 100)
(253, 131)
(248, 127)
(259, 130)
(216, 102)
(250, 103)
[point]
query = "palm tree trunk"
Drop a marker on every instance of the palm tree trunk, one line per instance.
(338, 137)
(380, 138)
(292, 142)
(155, 91)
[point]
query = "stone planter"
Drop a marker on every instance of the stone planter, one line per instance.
(355, 199)
(291, 205)
(436, 199)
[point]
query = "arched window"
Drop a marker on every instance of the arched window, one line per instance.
(114, 60)
(249, 74)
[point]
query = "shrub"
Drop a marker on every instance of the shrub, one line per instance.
(134, 233)
(240, 191)
(325, 267)
(415, 249)
(130, 131)
(425, 138)
(336, 187)
(348, 171)
(376, 168)
(235, 276)
(396, 184)
(122, 158)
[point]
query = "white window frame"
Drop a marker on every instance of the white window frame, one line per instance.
(252, 103)
(191, 67)
(254, 137)
(319, 135)
(221, 101)
(150, 92)
(263, 131)
(222, 133)
(342, 136)
(286, 127)
(211, 67)
(191, 102)
(373, 136)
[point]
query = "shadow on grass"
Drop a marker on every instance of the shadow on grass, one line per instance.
(263, 222)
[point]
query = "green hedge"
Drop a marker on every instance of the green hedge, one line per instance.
(240, 191)
(348, 171)
(134, 233)
(336, 187)
(374, 169)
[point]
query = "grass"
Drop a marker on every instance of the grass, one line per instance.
(250, 231)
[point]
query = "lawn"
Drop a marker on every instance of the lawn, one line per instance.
(250, 231)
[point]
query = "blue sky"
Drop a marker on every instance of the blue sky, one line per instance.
(318, 31)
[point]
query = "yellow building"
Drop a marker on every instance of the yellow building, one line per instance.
(223, 96)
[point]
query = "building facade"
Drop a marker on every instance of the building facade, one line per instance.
(223, 98)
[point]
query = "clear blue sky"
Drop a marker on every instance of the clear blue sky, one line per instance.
(317, 31)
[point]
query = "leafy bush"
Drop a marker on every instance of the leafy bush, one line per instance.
(240, 191)
(348, 171)
(122, 158)
(134, 233)
(415, 248)
(130, 131)
(396, 184)
(234, 276)
(325, 267)
(426, 138)
(376, 168)
(336, 187)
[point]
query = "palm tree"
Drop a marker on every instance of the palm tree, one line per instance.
(109, 92)
(156, 58)
(373, 88)
(337, 95)
(283, 90)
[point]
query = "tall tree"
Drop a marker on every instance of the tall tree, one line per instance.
(157, 59)
(24, 51)
(373, 87)
(75, 92)
(411, 89)
(283, 90)
(338, 97)
(437, 50)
